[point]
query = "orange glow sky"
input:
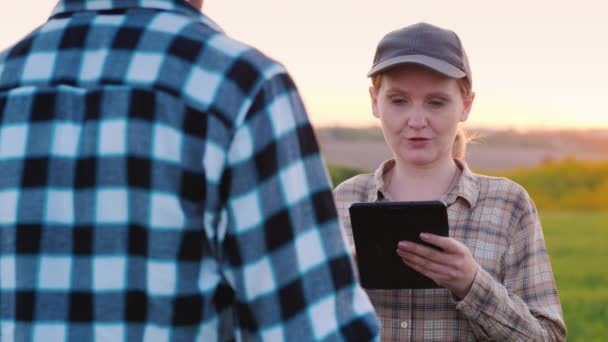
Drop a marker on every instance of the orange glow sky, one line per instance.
(535, 63)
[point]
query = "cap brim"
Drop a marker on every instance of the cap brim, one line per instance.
(438, 65)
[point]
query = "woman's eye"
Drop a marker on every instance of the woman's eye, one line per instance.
(398, 101)
(437, 103)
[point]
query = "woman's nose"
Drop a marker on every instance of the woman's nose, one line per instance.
(417, 119)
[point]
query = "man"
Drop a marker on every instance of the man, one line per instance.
(160, 181)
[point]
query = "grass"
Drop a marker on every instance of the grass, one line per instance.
(566, 185)
(577, 244)
(341, 173)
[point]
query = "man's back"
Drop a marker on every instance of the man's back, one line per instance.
(160, 181)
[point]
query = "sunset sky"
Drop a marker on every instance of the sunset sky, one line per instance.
(535, 63)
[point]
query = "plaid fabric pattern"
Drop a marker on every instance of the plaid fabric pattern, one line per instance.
(513, 298)
(160, 181)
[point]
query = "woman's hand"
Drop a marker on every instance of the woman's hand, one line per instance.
(452, 267)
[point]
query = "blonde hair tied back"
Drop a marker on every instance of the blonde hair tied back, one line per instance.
(459, 148)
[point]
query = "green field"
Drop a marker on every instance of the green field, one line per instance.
(577, 243)
(565, 185)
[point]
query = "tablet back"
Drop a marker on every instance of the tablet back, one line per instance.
(377, 229)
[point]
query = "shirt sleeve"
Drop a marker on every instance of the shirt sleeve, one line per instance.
(287, 261)
(525, 305)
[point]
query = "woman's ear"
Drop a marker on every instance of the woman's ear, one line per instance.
(467, 106)
(374, 98)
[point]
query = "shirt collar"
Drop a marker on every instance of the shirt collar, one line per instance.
(65, 7)
(377, 191)
(466, 188)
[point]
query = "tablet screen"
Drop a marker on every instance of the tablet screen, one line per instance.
(377, 229)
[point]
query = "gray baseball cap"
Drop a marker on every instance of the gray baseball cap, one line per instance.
(424, 44)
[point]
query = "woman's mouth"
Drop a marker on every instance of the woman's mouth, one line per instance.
(418, 141)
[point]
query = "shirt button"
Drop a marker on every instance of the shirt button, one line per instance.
(404, 324)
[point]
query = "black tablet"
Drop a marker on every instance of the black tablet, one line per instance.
(377, 229)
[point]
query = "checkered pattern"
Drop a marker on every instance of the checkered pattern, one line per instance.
(513, 297)
(160, 181)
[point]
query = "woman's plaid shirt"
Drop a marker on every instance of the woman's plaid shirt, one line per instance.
(513, 298)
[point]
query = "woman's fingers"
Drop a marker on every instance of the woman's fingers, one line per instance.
(426, 264)
(424, 251)
(447, 244)
(452, 267)
(437, 277)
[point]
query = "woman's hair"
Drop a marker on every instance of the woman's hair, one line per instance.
(459, 148)
(461, 141)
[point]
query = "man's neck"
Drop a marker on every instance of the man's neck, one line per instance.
(196, 3)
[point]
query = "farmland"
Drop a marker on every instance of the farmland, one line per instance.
(577, 244)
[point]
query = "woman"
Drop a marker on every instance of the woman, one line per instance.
(494, 269)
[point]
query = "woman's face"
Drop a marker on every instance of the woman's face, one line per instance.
(419, 110)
